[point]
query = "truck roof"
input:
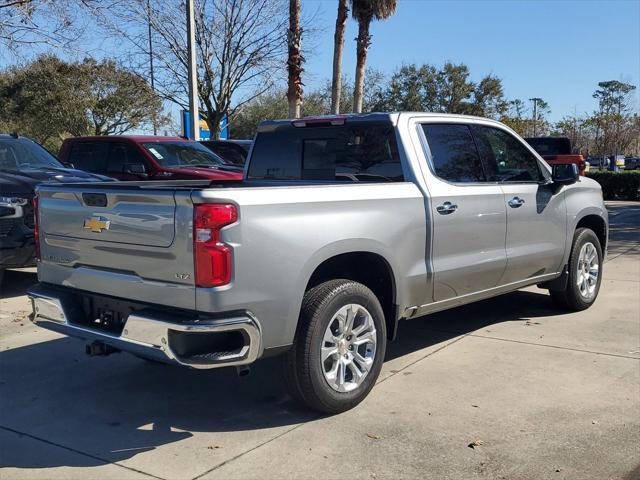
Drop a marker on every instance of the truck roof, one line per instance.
(374, 117)
(133, 138)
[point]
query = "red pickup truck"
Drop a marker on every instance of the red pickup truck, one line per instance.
(136, 157)
(556, 150)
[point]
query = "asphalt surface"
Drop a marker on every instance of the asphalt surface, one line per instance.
(508, 388)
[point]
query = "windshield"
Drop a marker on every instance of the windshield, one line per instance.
(18, 153)
(183, 154)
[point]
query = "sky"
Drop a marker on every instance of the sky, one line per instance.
(556, 50)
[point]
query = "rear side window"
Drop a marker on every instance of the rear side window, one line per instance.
(506, 159)
(232, 153)
(351, 153)
(122, 154)
(89, 156)
(453, 153)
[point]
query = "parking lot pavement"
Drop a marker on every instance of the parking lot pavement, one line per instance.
(537, 393)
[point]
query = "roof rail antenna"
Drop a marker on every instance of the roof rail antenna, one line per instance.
(14, 134)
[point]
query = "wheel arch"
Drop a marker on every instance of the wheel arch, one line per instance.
(368, 268)
(597, 224)
(593, 218)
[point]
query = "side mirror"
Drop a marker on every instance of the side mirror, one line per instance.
(68, 164)
(135, 169)
(565, 173)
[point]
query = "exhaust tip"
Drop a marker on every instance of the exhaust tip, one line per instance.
(243, 371)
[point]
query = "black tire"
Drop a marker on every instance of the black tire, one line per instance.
(303, 369)
(570, 298)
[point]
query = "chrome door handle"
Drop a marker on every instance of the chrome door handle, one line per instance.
(516, 202)
(446, 208)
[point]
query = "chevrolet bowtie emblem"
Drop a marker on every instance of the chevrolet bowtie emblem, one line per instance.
(96, 224)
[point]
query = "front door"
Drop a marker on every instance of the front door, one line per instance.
(122, 156)
(536, 212)
(469, 214)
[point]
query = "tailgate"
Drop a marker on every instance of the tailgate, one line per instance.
(138, 219)
(122, 241)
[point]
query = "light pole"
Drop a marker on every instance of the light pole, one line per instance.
(535, 101)
(153, 86)
(194, 117)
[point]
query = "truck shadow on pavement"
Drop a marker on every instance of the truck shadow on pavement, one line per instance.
(109, 409)
(520, 306)
(15, 283)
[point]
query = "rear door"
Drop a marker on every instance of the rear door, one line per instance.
(469, 215)
(536, 213)
(90, 156)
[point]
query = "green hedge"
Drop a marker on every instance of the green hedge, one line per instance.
(618, 185)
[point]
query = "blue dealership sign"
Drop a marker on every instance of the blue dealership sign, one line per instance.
(205, 133)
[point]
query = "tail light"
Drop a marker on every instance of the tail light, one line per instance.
(212, 258)
(36, 227)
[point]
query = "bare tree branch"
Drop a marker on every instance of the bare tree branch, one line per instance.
(240, 45)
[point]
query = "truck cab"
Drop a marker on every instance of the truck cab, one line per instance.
(136, 157)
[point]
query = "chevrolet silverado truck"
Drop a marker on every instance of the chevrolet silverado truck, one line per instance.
(342, 227)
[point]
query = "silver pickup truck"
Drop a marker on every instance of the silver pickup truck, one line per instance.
(342, 227)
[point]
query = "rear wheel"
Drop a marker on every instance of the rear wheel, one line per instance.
(585, 273)
(339, 347)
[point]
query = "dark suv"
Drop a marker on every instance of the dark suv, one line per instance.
(23, 165)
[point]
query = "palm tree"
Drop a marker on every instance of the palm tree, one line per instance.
(338, 44)
(364, 11)
(294, 62)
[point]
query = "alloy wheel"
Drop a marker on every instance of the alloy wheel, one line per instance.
(348, 348)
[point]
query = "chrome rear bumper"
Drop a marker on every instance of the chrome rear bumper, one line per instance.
(150, 334)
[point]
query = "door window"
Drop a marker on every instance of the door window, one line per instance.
(89, 156)
(454, 156)
(122, 154)
(505, 158)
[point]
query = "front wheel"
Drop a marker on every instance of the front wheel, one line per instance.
(585, 273)
(339, 347)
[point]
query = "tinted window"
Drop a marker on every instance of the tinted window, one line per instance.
(89, 156)
(506, 159)
(349, 153)
(18, 153)
(453, 153)
(550, 145)
(230, 152)
(122, 154)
